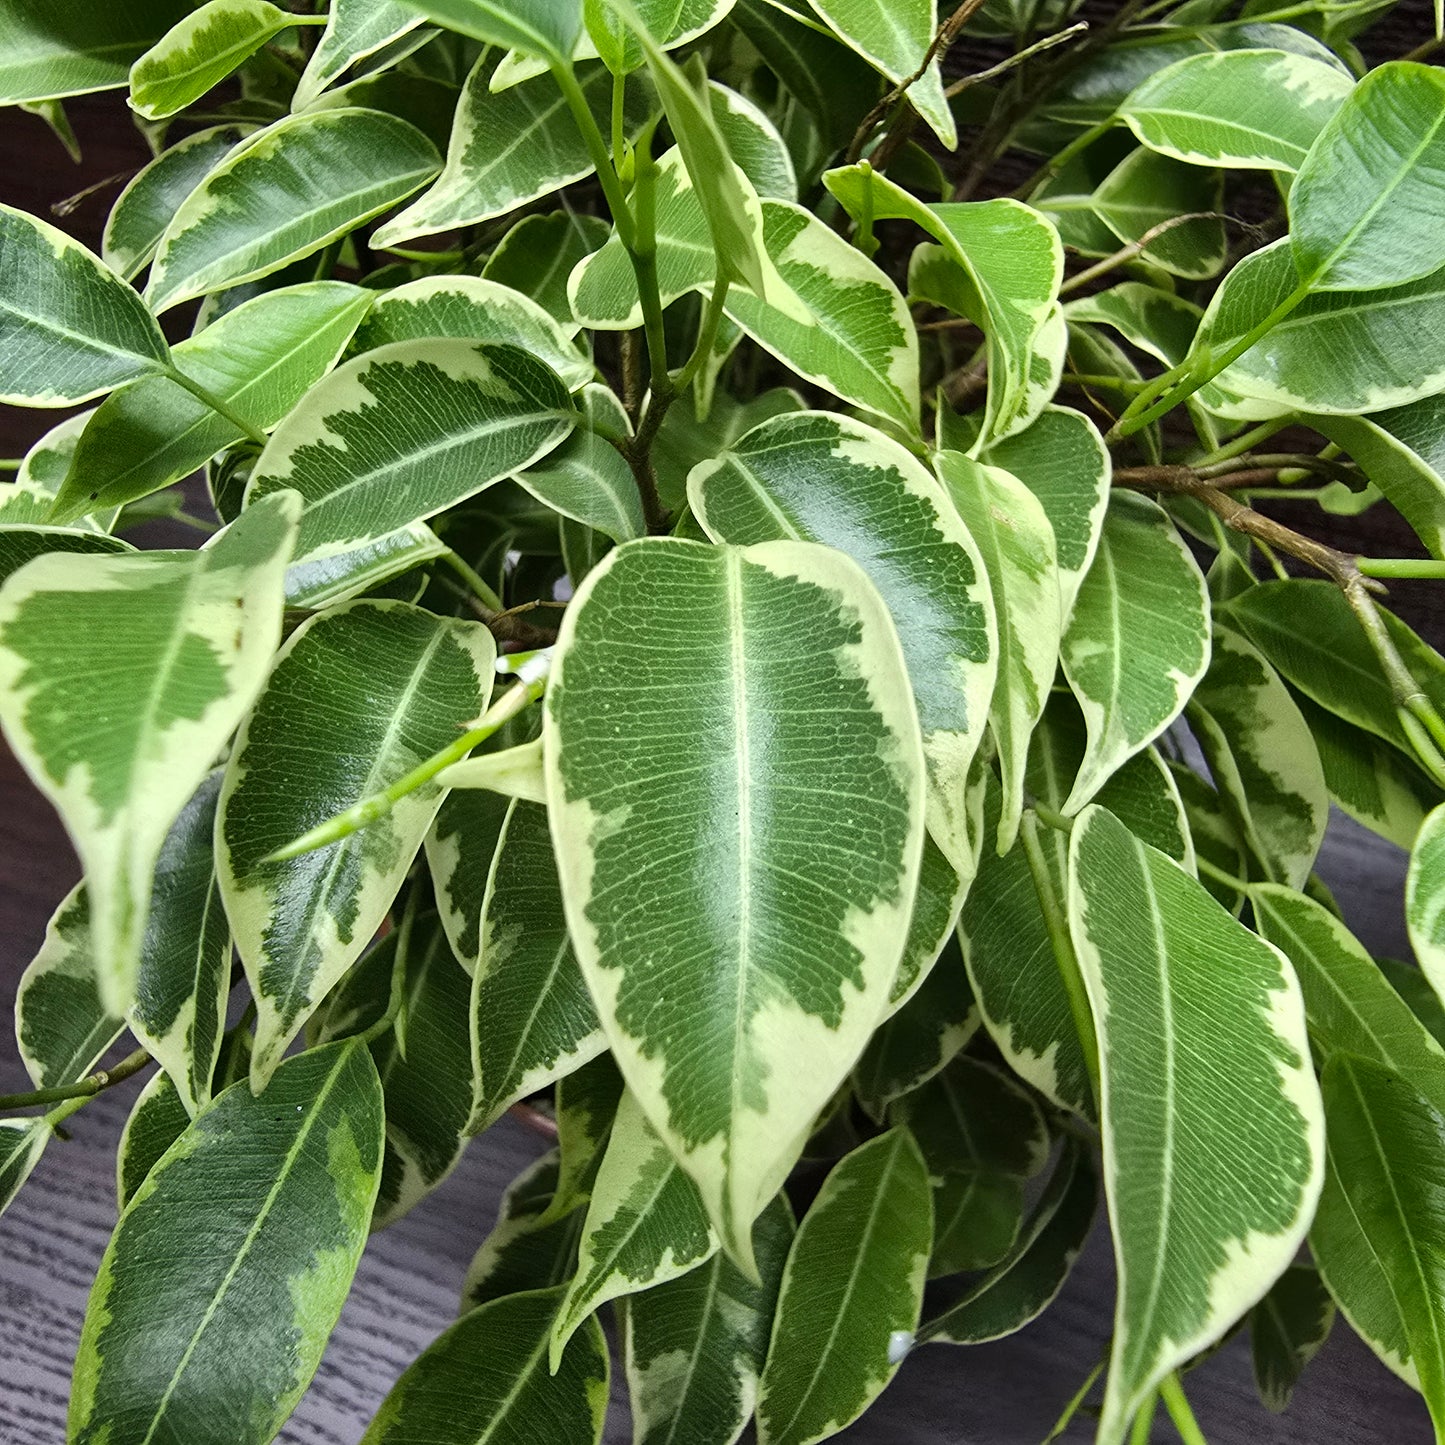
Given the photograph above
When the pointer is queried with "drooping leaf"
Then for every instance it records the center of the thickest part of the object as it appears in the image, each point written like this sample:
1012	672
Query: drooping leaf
1249	109
545	28
355	29
1377	1237
1023	1285
22	1142
1146	194
695	1346
1138	641
817	477
1212	1124
1262	758
1425	899
308	180
539	253
182	641
645	1223
143	210
156	1120
359	695
460	416
1365	205
532	1020
70	329
1010	264
200	52
260	359
170	1342
851	1294
1287	1328
485	1381
672	23
712	1072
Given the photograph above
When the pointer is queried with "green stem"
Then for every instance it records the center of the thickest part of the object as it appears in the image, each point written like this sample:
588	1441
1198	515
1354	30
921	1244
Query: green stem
566	79
1144	1421
644	263
473	580
216	404
1058	929
11	464
707	333
530	686
1426	567
1219	875
1075	1404
1244	442
77	1094
619	119
1177	1404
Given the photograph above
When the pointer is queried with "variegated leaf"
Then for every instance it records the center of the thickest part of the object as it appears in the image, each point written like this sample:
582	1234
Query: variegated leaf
156	1120
535	27
1425	899
532	1019
1138	641
851	1293
732	1076
460	416
818	477
361	694
586	1105
180	643
70	329
645	1224
182	1284
355	29
260	359
672	23
22	1142
752	139
1212	1122
539	253
27	500
695	1346
1287	1329
244	219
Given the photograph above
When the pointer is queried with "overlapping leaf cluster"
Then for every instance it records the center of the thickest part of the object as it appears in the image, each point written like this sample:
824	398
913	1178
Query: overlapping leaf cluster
711	627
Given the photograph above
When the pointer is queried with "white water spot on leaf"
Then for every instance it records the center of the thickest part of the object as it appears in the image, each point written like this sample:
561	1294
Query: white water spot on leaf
900	1342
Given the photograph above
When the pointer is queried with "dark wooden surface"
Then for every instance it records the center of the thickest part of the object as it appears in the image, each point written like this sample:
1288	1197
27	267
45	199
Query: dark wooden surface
52	1238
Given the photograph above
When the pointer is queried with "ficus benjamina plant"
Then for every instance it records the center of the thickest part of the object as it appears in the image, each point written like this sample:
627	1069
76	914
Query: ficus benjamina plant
720	625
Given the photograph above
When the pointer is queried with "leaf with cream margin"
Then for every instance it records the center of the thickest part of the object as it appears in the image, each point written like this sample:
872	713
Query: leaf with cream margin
180	642
851	1295
645	1224
1212	1123
1287	1329
168	1321
26	502
672	23
70	329
459	416
355	29
532	1021
1020	559
818	477
544	28
754	143
732	1076
358	697
244	220
539	253
1011	265
586	1105
1138	641
22	1142
1250	109
1425	899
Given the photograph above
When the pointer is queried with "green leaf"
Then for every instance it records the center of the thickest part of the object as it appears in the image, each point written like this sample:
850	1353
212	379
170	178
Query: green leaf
732	1076
818	477
672	23
506	149
62	1029
71	47
546	28
183	1283
21	544
1286	1331
156	1120
307	180
1364	208
1147	191
200	52
485	1380
1377	1238
1023	1285
1138	641
1212	1126
941	890
22	1142
1017	549
459	416
586	1105
1262	758
851	1293
539	253
182	640
753	142
260	359
70	329
645	1224
1382	348
1011	263
1411	984
694	1347
1244	109
977	1216
358	697
355	29
28	499
894	36
532	1019
143	210
1061	458
1425	899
